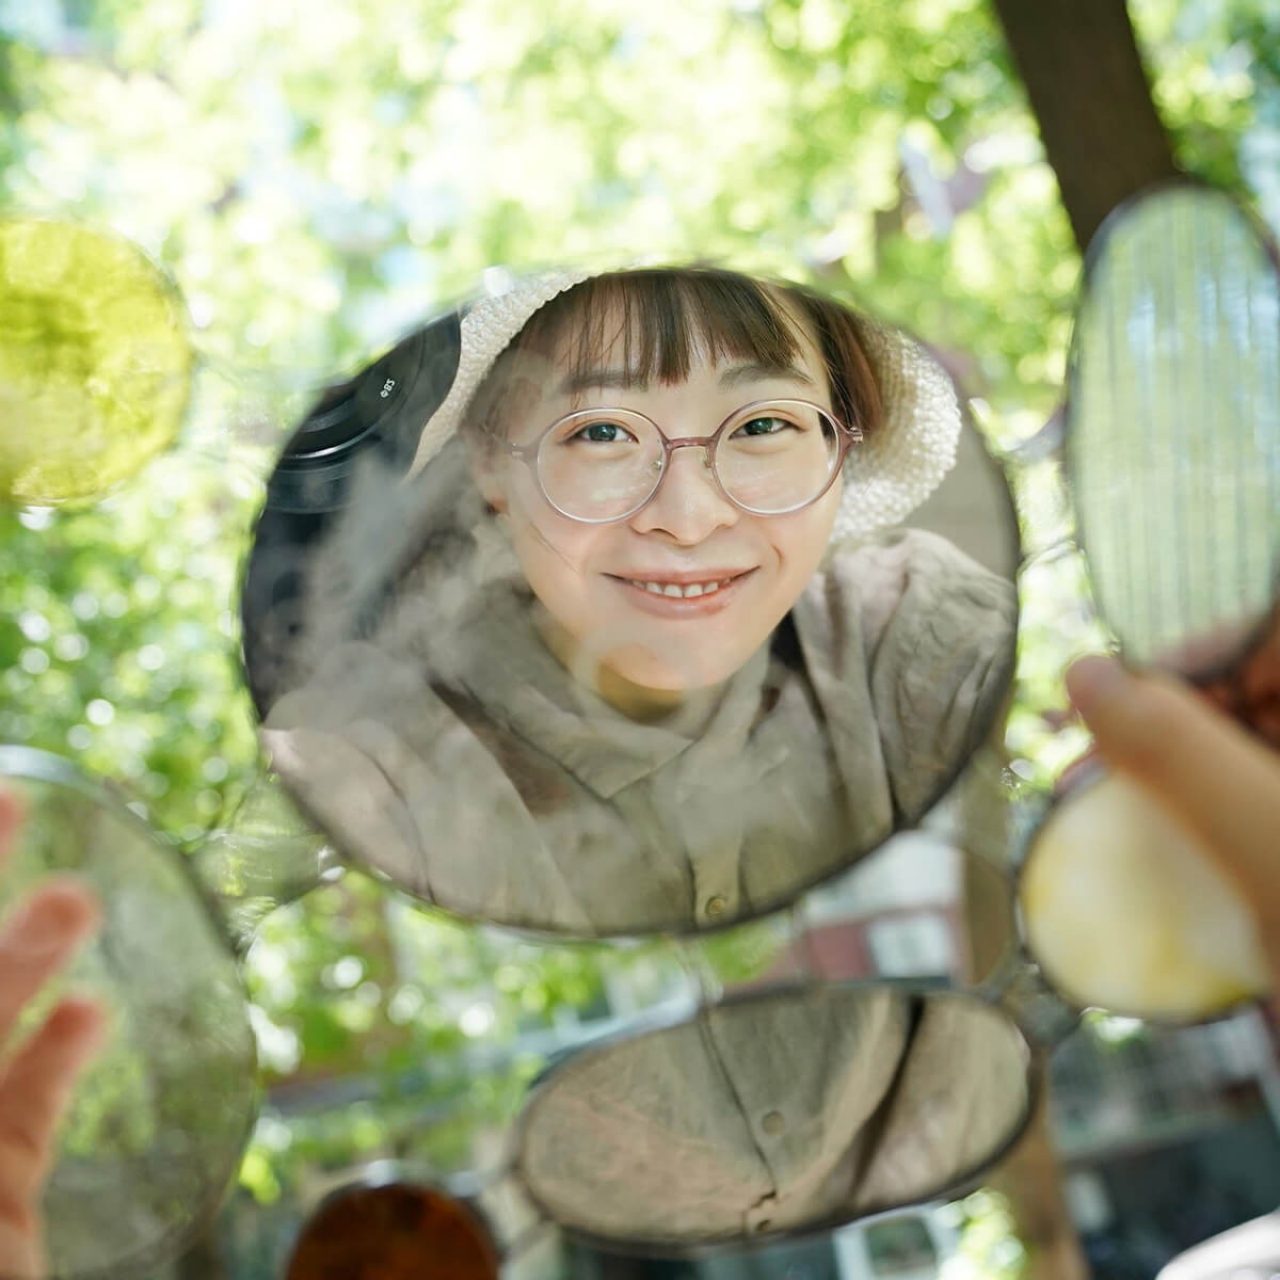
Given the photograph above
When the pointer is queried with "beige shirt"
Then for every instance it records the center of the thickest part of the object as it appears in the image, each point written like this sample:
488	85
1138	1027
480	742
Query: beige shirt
801	1109
455	754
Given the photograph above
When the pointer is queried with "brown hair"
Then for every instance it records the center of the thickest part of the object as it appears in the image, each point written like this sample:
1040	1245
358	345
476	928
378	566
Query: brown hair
666	313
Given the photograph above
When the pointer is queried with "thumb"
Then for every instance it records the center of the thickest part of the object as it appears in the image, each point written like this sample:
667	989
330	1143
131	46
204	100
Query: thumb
1219	782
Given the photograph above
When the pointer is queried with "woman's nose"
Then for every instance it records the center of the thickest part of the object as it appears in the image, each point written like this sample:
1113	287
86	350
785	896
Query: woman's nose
689	504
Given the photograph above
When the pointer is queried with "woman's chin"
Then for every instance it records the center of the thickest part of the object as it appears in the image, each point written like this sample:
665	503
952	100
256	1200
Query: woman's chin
670	675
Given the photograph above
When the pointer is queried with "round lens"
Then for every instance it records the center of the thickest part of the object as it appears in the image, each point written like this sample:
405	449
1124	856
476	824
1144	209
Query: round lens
393	1232
158	1123
600	466
778	456
95	361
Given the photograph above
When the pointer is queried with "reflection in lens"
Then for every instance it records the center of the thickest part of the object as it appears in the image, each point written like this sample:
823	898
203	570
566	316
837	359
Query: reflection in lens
1174	425
158	1122
393	1232
974	509
95	363
782	1111
1124	909
607	725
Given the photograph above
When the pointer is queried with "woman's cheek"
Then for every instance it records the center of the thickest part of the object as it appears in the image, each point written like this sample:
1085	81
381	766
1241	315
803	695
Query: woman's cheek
554	560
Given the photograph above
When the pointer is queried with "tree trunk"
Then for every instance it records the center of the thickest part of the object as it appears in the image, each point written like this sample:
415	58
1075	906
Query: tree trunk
1080	62
202	1261
1029	1177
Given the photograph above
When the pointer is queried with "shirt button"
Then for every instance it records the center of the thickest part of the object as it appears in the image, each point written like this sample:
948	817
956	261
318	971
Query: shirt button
773	1123
715	907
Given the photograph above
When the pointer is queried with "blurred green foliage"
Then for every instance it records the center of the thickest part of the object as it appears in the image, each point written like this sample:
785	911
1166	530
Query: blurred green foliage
319	177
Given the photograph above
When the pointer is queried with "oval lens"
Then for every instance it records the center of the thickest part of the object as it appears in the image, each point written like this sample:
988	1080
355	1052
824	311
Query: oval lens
95	361
158	1123
600	466
1173	427
785	1111
397	1231
647	727
778	456
1125	910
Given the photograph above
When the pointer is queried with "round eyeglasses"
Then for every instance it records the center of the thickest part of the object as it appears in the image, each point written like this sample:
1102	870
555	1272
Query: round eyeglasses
769	458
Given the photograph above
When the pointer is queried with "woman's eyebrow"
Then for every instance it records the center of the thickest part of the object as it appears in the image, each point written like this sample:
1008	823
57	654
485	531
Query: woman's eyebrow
760	372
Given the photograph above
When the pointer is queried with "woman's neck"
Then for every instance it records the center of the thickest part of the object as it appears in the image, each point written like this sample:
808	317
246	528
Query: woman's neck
635	701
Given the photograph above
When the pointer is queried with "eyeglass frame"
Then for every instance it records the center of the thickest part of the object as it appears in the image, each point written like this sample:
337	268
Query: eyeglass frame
528	454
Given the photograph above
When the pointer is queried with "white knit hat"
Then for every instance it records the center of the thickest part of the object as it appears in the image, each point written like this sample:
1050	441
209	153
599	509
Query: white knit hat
886	476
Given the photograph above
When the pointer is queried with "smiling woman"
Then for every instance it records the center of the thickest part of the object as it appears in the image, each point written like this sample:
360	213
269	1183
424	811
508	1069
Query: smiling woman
639	644
672	475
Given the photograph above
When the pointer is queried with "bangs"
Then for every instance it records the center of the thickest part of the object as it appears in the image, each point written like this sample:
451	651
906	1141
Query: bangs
661	321
654	325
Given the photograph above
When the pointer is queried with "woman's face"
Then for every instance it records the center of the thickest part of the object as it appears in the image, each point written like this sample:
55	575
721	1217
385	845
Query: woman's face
596	582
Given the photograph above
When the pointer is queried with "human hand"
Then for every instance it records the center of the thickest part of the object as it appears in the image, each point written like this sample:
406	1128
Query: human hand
1215	778
38	940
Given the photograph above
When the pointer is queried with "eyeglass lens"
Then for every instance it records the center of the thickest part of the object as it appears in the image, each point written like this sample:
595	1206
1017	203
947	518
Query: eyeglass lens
772	458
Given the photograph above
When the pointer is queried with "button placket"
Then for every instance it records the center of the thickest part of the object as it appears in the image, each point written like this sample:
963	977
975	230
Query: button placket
713	844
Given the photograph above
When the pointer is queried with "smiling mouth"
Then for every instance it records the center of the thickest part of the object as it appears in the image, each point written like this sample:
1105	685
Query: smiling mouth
684	590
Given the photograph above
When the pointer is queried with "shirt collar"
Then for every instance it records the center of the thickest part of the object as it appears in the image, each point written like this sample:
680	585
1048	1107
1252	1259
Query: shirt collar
512	674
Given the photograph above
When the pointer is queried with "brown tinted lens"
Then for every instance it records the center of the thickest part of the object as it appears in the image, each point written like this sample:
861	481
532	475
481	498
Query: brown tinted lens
393	1232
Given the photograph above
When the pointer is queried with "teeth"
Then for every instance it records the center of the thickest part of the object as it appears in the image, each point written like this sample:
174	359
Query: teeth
691	592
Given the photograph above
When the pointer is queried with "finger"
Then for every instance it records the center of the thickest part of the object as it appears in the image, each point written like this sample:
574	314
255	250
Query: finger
1076	770
40	939
1216	779
20	1253
34	1092
35	1089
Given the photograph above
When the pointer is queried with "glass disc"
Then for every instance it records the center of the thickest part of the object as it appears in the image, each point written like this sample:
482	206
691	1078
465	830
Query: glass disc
1173	427
159	1120
95	361
396	1231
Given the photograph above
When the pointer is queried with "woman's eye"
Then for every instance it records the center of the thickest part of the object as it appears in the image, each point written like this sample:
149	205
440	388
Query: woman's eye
603	433
764	427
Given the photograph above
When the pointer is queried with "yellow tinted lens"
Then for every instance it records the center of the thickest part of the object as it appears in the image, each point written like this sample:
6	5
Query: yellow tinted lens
95	363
